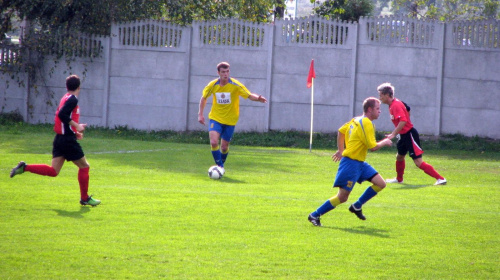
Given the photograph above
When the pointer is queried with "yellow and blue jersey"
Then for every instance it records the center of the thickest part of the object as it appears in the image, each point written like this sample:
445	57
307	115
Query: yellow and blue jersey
359	138
226	101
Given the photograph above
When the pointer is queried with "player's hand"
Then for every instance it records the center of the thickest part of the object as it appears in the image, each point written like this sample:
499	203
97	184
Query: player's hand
201	119
337	156
79	136
389	136
386	142
262	99
81	127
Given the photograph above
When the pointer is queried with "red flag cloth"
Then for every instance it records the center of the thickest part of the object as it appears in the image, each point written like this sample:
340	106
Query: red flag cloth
311	75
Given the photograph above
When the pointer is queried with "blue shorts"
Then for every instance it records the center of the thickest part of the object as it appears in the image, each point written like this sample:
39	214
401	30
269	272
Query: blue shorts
225	131
352	171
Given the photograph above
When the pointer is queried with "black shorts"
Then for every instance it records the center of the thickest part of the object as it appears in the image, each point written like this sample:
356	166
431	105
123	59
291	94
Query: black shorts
410	142
67	147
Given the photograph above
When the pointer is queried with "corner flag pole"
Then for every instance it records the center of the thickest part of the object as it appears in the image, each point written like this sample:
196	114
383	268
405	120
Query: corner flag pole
312	115
310	84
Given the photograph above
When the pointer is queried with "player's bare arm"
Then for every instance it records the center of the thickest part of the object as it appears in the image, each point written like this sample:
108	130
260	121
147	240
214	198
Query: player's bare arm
380	144
80	127
340	146
257	97
203	103
396	130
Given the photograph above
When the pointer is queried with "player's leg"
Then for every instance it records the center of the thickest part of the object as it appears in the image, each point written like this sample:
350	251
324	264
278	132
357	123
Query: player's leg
214	145
402	147
369	174
40	169
378	185
429	170
226	136
83	181
224	149
345	179
331	203
416	153
214	132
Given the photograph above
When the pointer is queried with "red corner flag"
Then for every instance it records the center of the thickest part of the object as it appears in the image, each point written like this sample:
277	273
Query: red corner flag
311	75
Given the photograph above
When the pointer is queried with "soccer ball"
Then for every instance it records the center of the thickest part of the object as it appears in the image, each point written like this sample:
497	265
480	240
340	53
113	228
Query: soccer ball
215	172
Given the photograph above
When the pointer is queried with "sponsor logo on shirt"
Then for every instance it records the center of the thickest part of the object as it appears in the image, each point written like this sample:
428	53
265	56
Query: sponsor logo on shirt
223	98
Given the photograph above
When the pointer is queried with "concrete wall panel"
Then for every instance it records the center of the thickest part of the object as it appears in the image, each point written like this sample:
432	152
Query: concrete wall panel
451	87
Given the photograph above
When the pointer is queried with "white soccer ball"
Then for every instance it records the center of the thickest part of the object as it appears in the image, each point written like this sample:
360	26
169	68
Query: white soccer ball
215	172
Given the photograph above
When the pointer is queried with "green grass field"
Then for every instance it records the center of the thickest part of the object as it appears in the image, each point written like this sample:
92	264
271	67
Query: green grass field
162	217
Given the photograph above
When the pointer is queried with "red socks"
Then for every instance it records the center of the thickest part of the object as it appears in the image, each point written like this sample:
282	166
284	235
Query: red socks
429	170
83	179
45	170
400	170
41	169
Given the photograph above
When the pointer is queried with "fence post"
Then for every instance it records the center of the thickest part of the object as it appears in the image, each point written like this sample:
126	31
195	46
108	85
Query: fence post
355	31
270	62
441	33
26	29
107	72
189	43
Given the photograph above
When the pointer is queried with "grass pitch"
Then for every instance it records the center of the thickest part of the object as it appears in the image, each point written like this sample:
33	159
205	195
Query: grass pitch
162	217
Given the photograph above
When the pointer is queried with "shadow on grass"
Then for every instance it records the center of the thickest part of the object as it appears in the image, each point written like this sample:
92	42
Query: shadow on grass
73	214
410	187
231	180
363	230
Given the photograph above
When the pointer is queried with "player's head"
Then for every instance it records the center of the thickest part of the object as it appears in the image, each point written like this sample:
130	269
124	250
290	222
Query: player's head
386	89
223	71
72	83
222	65
371	108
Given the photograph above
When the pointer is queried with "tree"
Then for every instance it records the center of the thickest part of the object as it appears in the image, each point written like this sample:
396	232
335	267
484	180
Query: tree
446	10
60	21
95	17
349	10
184	12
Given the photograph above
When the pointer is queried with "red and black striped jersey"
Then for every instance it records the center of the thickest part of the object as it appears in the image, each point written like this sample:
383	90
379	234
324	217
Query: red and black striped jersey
68	110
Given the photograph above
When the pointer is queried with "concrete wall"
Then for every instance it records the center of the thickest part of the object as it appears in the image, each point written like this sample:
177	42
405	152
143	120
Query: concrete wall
412	66
333	50
148	76
13	94
151	74
250	61
471	80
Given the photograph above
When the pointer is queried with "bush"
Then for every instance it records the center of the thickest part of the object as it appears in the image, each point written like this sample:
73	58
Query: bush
11	118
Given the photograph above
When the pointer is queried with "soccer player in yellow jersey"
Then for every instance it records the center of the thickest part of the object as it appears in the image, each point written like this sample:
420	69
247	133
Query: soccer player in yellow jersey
354	140
225	112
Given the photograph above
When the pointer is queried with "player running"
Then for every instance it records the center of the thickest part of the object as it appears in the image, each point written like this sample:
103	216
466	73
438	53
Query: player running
354	140
409	140
65	145
225	110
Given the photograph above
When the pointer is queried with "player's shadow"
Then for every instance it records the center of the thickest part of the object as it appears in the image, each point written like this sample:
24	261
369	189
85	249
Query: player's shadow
363	230
231	180
409	187
73	214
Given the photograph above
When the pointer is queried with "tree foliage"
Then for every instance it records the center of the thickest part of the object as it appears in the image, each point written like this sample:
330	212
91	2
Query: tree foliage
446	10
95	17
55	25
349	10
58	22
